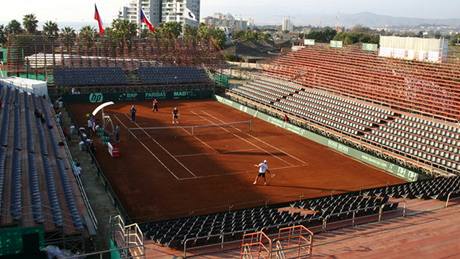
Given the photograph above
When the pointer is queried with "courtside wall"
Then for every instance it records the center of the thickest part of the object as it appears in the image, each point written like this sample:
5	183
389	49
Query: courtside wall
99	97
393	169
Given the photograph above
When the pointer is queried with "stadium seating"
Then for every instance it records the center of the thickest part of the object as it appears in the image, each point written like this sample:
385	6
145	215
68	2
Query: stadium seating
207	229
32	166
380	101
408	86
172	75
339	113
436	143
267	90
100	76
438	188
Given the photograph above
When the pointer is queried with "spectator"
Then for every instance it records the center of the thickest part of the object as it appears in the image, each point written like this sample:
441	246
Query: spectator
77	169
286	118
117	134
59	118
75	91
90	125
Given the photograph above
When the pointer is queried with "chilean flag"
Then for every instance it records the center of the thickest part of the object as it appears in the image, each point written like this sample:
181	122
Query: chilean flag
147	22
97	17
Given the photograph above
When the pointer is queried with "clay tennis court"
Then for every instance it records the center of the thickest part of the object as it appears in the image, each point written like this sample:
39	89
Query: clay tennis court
172	172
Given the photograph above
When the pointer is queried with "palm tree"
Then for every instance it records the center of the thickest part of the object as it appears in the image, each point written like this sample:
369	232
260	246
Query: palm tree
87	35
68	36
171	29
14	27
124	31
30	23
51	30
2	35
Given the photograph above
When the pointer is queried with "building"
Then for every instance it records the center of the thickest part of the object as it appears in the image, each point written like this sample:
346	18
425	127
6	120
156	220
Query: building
226	22
159	11
287	24
175	11
410	48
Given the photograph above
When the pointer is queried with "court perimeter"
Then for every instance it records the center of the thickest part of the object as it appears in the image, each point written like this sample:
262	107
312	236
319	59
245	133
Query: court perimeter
168	173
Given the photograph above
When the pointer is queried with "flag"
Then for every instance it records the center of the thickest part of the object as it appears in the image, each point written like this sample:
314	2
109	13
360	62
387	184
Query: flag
147	22
97	17
189	14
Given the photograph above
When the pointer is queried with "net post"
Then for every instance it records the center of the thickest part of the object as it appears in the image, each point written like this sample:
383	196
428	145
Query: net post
193	130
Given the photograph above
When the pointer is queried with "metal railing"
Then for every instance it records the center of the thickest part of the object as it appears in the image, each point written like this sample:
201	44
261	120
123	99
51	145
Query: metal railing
127	236
276	226
259	240
102	254
100	173
86	201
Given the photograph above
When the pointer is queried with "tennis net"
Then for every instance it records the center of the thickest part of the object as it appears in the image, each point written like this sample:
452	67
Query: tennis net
194	130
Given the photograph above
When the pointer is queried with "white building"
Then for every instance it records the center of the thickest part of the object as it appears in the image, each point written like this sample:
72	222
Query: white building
226	22
159	11
287	24
410	48
175	11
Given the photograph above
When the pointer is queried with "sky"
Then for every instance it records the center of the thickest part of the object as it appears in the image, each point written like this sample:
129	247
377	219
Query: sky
263	11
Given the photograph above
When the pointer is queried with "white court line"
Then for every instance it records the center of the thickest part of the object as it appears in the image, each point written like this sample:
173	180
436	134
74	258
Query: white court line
249	142
217	153
200	140
148	149
282	151
239	173
196	154
164	149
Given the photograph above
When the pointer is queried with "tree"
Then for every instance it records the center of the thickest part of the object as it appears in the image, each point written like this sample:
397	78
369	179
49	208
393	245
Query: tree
51	30
455	40
170	29
2	35
249	35
146	33
324	35
87	35
30	23
14	27
68	36
218	37
123	31
191	33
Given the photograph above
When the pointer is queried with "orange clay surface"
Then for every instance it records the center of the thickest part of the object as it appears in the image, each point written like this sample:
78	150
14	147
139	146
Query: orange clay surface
168	173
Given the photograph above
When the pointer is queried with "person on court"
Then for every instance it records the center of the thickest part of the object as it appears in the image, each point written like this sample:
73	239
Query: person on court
175	115
155	105
263	168
133	112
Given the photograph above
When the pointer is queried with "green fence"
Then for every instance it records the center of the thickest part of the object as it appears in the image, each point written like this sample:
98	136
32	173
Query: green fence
139	96
349	151
11	239
3	55
114	253
336	44
221	80
370	47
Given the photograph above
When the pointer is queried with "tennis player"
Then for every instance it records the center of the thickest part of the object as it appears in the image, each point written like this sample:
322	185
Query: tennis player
263	168
133	112
175	115
155	105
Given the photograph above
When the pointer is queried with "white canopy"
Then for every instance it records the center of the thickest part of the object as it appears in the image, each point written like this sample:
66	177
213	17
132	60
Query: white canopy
102	106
